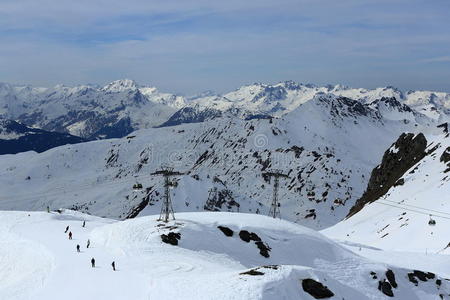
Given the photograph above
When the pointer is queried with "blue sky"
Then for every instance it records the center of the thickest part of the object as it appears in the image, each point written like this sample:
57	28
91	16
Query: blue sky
188	46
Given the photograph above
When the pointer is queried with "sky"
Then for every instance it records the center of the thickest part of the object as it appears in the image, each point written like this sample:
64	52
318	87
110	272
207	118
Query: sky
188	46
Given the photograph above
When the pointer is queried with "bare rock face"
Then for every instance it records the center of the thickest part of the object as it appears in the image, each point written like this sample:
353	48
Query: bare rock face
403	154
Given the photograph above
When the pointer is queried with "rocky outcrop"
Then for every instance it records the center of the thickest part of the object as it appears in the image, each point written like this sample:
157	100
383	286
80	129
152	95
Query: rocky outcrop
171	238
246	236
401	156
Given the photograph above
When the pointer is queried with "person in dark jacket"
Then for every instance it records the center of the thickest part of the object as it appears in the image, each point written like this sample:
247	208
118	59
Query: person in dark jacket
84	224
67	229
88	243
78	248
113	265
93	262
70	235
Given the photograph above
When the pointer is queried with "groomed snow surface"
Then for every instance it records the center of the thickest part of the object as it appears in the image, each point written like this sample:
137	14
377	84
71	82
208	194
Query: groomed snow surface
38	261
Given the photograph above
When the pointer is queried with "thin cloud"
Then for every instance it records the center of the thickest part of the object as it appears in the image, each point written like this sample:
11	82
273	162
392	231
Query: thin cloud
437	59
188	46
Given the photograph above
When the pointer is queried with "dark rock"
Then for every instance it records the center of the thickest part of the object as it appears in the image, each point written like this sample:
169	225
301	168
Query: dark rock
254	237
171	238
273	267
252	272
263	249
444	126
386	288
227	231
134	212
412	278
401	181
244	235
445	157
411	149
391	278
422	276
316	289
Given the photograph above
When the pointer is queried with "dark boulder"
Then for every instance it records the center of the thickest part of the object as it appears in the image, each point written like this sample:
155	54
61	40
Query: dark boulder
316	289
445	157
249	236
263	249
171	238
244	235
422	276
391	278
386	288
227	231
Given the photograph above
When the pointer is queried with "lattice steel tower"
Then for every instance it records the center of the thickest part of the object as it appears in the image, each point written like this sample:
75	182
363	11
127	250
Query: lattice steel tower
166	207
275	206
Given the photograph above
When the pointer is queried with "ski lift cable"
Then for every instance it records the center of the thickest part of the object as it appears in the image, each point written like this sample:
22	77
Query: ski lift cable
414	206
413	210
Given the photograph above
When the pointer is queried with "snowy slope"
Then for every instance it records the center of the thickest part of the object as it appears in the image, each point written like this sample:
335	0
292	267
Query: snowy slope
328	146
39	262
399	220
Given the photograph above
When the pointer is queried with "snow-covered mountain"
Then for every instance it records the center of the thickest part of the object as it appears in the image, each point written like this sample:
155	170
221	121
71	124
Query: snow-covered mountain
369	167
281	98
327	146
123	106
87	111
410	209
16	137
198	256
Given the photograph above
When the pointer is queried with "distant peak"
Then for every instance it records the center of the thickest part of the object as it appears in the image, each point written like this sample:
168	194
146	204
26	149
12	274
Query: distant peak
121	85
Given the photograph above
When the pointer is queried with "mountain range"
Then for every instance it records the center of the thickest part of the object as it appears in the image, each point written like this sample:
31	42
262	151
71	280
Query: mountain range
122	106
369	169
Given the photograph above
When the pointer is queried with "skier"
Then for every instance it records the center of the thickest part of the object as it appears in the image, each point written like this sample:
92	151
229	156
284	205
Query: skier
93	262
113	265
48	209
88	243
67	229
78	248
84	224
70	235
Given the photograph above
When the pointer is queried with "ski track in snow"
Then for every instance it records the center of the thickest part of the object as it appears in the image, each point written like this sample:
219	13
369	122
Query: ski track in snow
38	261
